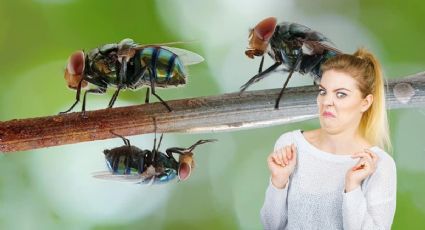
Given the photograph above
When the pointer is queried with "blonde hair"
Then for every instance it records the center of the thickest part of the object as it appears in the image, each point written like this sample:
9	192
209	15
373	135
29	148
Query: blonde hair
366	70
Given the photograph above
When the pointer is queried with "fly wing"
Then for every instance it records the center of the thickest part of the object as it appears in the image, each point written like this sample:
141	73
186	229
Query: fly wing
313	41
106	175
186	56
318	47
305	33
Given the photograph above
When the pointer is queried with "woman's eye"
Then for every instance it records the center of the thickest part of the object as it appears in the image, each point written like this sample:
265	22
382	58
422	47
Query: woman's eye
340	95
322	92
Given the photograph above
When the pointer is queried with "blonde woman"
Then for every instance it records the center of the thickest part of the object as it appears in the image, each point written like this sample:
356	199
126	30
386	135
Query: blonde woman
338	176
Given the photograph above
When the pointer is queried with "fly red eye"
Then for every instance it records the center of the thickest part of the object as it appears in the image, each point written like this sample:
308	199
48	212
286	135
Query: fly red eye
184	171
76	63
264	29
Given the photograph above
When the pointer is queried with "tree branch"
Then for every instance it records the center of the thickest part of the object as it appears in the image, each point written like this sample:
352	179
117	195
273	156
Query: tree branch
204	114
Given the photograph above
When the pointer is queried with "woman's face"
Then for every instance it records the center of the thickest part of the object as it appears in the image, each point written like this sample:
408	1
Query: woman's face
340	102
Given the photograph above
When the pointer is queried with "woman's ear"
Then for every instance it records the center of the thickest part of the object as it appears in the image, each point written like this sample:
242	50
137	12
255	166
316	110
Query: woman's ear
367	102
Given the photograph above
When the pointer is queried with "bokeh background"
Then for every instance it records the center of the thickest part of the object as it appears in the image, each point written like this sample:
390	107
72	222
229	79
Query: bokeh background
53	188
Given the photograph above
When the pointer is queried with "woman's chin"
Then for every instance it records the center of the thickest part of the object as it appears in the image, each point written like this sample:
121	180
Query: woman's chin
328	124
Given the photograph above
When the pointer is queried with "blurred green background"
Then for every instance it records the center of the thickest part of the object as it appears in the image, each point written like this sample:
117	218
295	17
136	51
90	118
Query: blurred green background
53	189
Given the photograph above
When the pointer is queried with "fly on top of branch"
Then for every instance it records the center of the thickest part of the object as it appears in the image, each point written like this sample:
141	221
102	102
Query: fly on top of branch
128	65
295	46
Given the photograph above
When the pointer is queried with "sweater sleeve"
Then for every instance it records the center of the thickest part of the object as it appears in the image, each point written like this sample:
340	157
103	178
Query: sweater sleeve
274	213
372	206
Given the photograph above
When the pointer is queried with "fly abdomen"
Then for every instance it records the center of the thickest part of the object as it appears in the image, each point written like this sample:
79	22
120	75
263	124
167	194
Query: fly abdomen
165	66
124	160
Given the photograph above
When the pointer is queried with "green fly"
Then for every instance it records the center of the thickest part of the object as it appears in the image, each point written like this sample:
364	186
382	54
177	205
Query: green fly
127	65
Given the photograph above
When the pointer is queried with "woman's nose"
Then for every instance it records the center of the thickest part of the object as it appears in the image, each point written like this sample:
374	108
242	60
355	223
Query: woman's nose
327	100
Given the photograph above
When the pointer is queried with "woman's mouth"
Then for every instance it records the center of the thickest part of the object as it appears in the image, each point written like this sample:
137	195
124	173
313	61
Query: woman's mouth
328	114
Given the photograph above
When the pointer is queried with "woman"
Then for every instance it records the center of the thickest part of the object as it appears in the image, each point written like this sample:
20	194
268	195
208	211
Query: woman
338	176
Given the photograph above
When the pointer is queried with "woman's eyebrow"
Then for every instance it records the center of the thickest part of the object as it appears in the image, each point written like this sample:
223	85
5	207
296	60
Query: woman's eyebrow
321	86
342	89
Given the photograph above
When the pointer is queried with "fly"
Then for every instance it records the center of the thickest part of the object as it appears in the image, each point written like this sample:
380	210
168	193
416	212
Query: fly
295	46
127	65
144	166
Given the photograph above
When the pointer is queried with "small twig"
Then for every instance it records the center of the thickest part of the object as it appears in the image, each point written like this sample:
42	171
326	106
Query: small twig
204	114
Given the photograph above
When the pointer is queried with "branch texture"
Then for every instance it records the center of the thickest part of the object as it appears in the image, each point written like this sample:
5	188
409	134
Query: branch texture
230	111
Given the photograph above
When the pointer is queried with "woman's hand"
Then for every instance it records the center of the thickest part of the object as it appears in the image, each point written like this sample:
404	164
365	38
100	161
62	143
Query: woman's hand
364	168
281	164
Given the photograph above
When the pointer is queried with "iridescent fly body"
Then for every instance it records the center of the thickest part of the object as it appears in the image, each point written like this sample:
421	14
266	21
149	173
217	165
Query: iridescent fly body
291	45
127	65
129	163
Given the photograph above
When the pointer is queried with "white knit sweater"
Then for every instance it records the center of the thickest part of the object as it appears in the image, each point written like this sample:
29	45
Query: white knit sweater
314	197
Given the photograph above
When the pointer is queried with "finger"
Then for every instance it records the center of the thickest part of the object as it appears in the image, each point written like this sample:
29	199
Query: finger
360	165
373	155
361	155
275	161
292	151
366	159
365	163
271	158
286	154
281	155
294	154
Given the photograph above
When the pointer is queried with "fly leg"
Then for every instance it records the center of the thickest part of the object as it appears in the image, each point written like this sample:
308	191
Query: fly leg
259	76
122	79
126	141
185	163
123	73
179	150
276	106
127	160
173	161
260	69
141	163
147	96
115	163
311	64
77	98
139	74
308	62
152	78
114	97
97	91
200	142
184	151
